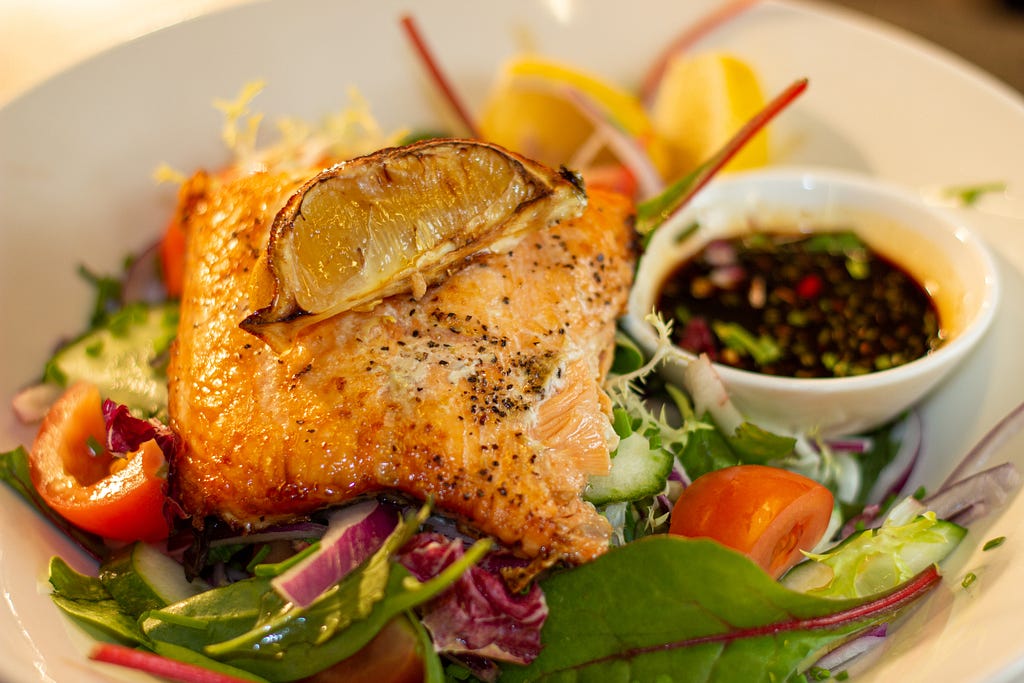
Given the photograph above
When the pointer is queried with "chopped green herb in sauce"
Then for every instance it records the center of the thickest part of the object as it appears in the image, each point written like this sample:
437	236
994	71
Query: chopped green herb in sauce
797	305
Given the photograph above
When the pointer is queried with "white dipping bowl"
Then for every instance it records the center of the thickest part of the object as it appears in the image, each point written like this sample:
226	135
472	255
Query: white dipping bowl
944	256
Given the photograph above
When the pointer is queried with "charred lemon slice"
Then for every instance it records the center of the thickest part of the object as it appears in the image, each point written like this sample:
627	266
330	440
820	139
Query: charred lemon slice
397	221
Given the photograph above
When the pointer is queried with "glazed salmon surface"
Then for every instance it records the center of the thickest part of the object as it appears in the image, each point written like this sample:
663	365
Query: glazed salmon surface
484	393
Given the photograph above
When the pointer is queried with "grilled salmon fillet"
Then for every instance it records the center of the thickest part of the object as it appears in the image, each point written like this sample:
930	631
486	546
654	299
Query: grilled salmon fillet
484	393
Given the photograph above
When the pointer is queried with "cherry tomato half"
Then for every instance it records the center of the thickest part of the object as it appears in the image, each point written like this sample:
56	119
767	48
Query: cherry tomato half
767	513
120	498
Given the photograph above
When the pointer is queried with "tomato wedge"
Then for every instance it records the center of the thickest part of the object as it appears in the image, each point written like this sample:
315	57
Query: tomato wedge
120	498
766	513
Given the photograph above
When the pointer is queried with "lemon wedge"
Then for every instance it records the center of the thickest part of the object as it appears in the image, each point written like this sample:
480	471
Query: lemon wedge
531	111
396	221
702	101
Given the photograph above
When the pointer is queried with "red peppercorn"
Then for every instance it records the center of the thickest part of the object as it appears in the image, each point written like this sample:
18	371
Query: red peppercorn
809	286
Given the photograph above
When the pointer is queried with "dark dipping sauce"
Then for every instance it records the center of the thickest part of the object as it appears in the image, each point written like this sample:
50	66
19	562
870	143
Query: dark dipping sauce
799	305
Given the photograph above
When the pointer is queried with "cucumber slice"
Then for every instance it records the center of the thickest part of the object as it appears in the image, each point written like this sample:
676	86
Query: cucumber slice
637	471
142	578
876	560
123	357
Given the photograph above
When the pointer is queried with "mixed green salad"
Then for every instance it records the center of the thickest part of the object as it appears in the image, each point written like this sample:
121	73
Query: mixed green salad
738	554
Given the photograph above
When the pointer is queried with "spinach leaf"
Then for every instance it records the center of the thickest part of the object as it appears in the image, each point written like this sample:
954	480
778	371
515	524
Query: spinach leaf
433	667
87	602
668	608
353	598
248	626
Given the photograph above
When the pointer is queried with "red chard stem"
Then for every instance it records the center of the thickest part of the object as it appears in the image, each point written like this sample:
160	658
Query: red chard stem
437	75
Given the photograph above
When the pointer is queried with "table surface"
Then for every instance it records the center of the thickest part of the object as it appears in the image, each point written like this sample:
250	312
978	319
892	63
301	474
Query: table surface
39	38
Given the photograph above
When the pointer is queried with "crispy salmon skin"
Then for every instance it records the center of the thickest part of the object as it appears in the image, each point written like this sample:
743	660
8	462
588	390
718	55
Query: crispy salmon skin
483	393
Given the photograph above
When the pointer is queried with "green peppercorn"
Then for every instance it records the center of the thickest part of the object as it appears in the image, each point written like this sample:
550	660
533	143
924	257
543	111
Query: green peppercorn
832	305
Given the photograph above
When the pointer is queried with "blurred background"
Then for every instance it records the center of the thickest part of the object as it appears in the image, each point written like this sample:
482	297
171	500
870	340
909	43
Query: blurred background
989	33
38	38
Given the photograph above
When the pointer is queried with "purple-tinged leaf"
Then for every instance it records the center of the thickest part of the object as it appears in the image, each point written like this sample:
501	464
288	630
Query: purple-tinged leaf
126	433
478	616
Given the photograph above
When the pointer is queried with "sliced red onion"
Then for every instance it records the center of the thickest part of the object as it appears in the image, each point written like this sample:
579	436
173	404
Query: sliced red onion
867	519
31	404
354	533
964	496
679	474
300	531
850	444
709	394
626	148
970	498
895	475
841	657
989	444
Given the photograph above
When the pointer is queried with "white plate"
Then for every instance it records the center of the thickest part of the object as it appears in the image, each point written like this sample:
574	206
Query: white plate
77	155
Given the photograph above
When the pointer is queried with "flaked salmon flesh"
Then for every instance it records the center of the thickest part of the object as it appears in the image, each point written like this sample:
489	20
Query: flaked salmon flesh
484	393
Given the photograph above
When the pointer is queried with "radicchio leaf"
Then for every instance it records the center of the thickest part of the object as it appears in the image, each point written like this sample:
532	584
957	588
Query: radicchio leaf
126	433
478	616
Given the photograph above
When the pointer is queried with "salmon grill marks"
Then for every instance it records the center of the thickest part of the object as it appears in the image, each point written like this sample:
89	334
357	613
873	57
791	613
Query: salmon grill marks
484	392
